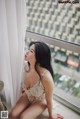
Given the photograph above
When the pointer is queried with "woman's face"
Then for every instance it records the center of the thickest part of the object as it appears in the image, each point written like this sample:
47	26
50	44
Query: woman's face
30	54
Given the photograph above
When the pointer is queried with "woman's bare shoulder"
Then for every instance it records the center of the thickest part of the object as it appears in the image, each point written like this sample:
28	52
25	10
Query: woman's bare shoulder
47	78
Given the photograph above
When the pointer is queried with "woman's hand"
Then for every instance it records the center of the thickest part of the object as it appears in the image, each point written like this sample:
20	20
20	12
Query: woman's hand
58	116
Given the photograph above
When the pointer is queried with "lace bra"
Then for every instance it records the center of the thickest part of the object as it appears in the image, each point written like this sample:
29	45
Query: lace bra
35	93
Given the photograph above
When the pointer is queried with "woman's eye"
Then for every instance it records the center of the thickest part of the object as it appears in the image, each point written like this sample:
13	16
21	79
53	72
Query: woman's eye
31	51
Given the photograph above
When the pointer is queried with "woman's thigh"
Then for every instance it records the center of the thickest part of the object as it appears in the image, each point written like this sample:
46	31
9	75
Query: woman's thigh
20	106
34	110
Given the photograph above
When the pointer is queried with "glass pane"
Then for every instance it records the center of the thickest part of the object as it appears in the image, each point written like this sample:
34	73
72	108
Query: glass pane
66	65
55	19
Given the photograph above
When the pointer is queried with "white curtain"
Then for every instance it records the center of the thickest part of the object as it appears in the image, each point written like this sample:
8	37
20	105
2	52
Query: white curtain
12	35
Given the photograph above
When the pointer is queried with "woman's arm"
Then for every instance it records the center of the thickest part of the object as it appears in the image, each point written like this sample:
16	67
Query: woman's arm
48	84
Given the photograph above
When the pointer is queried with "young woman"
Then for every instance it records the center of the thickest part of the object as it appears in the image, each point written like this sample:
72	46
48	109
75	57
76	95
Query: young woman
38	84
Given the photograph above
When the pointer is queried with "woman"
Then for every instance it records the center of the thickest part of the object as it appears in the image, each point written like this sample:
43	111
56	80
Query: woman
38	85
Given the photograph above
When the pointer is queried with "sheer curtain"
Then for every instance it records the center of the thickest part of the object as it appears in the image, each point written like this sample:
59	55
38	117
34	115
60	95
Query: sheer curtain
12	34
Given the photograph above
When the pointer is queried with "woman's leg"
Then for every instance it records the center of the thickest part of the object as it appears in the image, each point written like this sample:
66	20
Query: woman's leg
20	106
34	110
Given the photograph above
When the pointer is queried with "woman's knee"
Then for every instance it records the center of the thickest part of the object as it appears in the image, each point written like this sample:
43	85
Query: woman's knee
13	115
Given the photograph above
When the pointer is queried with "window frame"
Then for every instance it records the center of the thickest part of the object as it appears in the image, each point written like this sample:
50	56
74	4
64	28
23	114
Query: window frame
62	44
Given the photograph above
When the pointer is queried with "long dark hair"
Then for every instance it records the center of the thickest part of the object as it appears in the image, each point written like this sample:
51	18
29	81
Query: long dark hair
43	55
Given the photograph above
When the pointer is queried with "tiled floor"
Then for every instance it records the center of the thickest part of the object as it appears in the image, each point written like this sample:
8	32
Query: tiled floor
61	109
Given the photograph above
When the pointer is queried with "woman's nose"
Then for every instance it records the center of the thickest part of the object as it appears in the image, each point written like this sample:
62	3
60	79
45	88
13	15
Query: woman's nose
27	52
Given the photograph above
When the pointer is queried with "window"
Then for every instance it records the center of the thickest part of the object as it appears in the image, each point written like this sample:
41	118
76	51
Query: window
58	25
